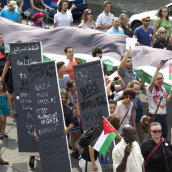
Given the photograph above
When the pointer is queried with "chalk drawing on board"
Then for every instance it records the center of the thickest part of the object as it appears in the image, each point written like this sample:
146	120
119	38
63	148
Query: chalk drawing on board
82	75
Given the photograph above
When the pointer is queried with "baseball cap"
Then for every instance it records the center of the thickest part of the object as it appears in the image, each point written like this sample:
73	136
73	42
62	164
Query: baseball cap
145	16
37	15
13	4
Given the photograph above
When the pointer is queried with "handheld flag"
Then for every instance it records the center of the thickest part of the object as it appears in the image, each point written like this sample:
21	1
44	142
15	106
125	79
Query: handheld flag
1	56
170	71
107	136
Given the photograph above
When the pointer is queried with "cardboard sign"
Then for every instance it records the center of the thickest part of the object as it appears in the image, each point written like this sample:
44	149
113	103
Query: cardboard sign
91	93
21	55
49	118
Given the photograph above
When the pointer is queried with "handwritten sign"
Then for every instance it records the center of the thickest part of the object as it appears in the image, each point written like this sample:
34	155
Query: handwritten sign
49	118
130	42
25	121
91	93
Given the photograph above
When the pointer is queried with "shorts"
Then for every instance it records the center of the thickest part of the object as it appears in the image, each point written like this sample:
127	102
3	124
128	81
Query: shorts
5	110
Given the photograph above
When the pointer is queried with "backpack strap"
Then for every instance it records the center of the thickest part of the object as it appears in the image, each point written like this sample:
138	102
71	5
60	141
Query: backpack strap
125	114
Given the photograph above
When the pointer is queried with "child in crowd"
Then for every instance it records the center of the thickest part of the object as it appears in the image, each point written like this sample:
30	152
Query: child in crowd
76	131
62	76
5	108
112	106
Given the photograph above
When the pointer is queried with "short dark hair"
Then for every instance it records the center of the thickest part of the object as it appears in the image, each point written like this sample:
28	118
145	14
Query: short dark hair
124	56
4	85
66	48
106	3
69	84
95	51
60	4
112	102
59	64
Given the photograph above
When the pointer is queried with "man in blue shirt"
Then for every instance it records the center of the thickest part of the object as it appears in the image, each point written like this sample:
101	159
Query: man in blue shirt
10	12
144	33
115	29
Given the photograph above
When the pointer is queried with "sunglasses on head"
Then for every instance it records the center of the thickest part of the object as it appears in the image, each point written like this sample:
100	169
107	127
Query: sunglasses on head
156	131
163	32
147	20
128	97
90	13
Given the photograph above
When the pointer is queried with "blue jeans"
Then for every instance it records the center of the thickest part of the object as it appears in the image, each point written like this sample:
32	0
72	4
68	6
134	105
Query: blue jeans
163	122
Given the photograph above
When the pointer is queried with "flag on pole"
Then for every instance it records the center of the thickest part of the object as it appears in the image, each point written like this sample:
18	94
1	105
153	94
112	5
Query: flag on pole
170	71
1	56
107	136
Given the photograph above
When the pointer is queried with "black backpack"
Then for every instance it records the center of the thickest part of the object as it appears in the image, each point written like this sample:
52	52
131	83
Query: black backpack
84	140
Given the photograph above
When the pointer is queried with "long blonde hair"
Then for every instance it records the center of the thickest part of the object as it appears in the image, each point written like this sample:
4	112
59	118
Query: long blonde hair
84	16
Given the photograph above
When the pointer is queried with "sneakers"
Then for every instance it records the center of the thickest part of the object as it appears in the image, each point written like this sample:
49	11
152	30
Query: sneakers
3	161
31	162
76	154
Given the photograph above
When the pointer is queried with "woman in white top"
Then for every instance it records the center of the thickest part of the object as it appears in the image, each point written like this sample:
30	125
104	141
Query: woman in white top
87	20
123	106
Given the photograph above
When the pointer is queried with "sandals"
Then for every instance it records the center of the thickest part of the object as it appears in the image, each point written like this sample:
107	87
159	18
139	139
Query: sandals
3	161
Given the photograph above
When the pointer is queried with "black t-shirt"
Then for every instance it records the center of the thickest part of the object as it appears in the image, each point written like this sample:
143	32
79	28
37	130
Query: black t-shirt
156	161
68	114
111	97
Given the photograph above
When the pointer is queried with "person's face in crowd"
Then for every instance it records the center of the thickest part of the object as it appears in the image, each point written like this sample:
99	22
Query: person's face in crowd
63	98
164	12
112	108
12	8
106	80
69	53
156	132
73	88
129	64
90	15
136	88
146	21
1	39
107	8
116	23
159	80
62	70
163	34
40	19
130	135
99	55
64	6
125	20
128	99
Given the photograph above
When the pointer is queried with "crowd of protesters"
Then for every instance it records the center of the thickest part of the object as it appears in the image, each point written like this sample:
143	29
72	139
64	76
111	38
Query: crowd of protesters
126	111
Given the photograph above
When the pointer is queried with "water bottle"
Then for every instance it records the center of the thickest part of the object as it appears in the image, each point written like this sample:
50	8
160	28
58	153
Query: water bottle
103	159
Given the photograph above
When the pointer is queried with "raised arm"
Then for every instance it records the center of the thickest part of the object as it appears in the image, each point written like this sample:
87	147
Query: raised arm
169	96
121	86
143	79
154	78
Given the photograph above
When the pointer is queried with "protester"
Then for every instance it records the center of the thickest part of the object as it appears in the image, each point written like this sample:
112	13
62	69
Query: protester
127	154
144	33
125	25
163	20
162	41
38	21
116	29
63	18
76	131
37	6
71	62
91	155
158	100
157	158
104	20
5	108
2	43
125	70
112	106
124	107
110	87
87	20
62	76
10	12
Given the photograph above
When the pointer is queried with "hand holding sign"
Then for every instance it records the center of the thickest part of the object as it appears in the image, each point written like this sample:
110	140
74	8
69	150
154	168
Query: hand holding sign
130	42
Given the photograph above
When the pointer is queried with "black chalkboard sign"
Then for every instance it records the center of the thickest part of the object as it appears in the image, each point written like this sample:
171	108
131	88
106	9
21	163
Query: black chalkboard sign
91	93
21	55
49	118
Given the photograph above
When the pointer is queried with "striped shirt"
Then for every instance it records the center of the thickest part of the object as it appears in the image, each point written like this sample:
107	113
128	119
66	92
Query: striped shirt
127	76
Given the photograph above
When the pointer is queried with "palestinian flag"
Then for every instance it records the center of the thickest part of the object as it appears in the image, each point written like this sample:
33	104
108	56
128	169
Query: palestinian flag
170	71
107	136
1	56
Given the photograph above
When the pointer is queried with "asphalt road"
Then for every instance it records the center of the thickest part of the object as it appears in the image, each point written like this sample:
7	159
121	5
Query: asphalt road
9	147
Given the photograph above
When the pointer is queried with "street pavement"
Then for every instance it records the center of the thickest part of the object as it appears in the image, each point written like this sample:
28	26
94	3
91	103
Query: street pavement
9	147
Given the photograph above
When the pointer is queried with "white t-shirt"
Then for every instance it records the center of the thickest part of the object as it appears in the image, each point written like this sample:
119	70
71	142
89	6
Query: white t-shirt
63	20
121	111
153	102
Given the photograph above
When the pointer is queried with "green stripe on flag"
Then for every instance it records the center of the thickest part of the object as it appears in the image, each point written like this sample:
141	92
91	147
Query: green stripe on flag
170	77
107	143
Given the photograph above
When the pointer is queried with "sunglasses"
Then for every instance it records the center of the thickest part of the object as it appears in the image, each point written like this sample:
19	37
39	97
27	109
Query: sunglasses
90	13
128	97
147	20
156	131
163	32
